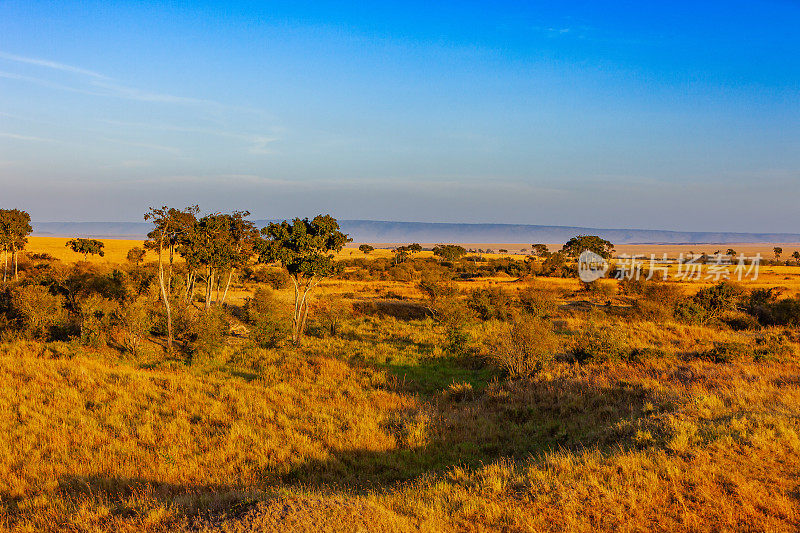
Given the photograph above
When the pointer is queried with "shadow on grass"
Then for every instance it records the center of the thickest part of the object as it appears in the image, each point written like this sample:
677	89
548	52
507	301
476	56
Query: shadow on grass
432	375
514	420
466	426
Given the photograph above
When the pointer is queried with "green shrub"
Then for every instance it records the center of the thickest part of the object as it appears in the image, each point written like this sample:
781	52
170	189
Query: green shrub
524	347
95	314
691	312
726	352
42	314
768	347
786	312
740	321
276	278
435	285
600	343
206	334
719	298
491	302
538	302
132	319
330	314
658	301
268	327
456	341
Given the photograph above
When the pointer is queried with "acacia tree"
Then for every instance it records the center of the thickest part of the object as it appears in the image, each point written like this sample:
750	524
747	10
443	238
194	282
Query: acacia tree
576	245
15	226
136	255
366	248
175	224
210	248
539	250
777	251
449	252
86	247
170	225
304	247
242	236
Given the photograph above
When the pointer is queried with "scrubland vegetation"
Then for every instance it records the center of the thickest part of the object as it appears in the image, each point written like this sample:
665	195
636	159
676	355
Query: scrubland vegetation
428	393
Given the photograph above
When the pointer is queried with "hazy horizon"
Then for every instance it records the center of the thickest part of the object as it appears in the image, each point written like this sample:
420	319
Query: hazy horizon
673	116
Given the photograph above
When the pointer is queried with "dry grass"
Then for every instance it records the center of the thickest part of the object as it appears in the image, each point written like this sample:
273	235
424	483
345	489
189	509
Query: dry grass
379	428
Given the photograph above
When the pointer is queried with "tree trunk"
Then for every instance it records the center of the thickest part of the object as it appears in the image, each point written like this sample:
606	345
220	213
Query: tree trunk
5	264
227	285
169	279
165	297
295	314
209	287
16	277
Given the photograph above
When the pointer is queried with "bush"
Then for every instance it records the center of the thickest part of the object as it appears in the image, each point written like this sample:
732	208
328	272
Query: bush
132	320
690	312
489	303
330	314
555	265
719	298
740	321
41	313
524	347
657	301
765	348
632	286
538	302
276	278
434	285
600	343
95	314
786	312
267	327
456	341
206	334
401	272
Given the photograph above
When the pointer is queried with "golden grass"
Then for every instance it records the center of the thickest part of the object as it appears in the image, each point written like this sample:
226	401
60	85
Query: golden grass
379	428
115	249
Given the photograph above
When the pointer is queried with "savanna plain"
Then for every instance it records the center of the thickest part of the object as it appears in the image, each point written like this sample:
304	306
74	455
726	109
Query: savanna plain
470	391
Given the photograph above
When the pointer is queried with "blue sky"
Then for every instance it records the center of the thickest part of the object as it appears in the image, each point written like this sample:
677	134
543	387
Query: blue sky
670	115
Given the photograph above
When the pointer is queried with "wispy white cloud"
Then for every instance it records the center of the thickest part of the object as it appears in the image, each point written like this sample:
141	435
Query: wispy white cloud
31	138
50	64
132	93
45	83
257	144
98	84
261	145
149	146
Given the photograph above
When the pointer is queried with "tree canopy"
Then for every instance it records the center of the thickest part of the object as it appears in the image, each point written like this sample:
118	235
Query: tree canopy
86	247
305	248
577	245
449	252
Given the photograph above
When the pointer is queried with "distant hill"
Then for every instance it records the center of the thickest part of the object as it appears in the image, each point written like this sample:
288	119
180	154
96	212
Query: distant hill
428	232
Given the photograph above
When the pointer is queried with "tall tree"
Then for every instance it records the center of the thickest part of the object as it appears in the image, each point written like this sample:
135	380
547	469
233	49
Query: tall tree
242	235
539	250
304	247
170	226
86	247
211	248
5	239
577	245
20	229
777	251
449	252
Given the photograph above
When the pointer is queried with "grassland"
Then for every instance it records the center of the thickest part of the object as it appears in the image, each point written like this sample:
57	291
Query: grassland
380	427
